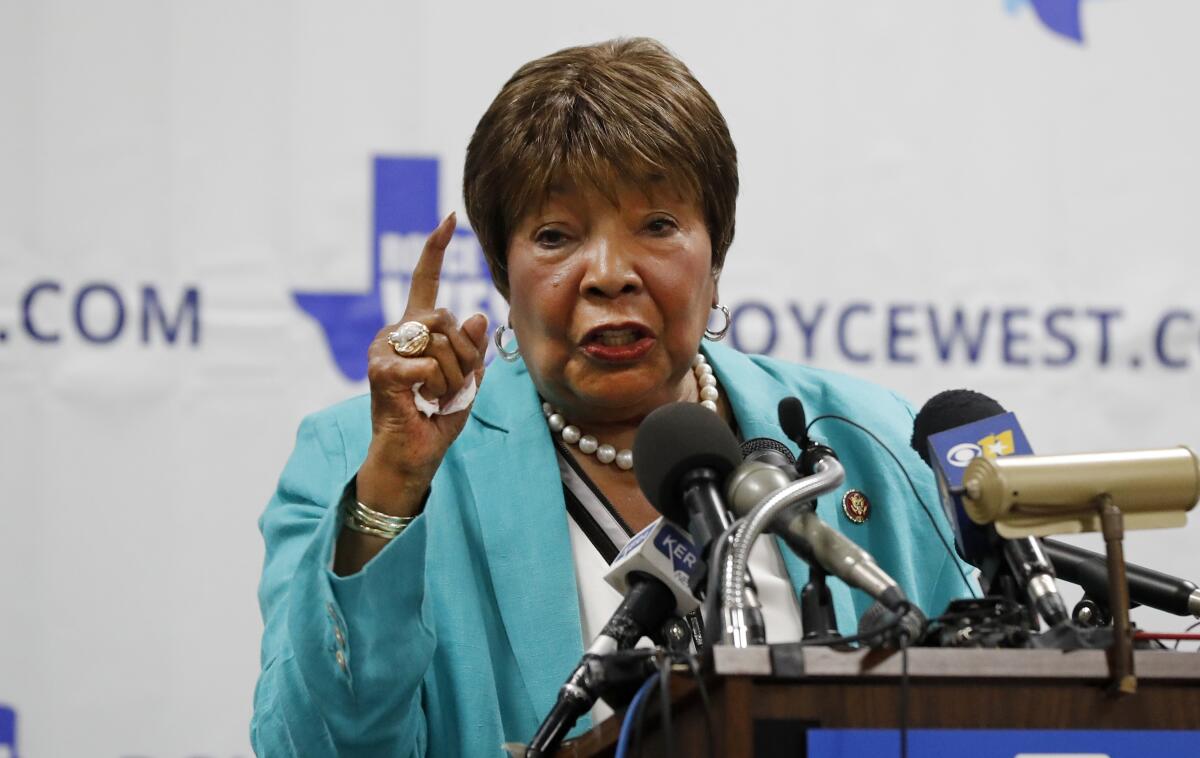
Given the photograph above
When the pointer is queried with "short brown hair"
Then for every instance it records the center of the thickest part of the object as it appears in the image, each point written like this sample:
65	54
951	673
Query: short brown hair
622	110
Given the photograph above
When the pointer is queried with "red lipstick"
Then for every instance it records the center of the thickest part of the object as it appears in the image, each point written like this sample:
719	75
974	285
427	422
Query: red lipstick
618	343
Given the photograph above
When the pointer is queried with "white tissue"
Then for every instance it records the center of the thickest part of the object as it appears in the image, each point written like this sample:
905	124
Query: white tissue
461	400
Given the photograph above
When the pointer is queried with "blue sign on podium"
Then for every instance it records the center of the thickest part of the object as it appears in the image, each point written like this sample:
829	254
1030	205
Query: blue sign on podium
1003	743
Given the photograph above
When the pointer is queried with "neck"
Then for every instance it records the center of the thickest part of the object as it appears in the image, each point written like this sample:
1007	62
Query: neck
620	429
626	421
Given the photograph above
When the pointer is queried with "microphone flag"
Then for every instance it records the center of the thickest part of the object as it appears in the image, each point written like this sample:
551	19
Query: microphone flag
950	452
665	552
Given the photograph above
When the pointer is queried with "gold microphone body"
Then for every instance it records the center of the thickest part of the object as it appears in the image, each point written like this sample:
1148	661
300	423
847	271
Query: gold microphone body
1057	494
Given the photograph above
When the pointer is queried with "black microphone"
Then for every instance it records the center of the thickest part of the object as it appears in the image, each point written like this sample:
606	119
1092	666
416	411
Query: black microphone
681	455
794	421
648	604
975	544
881	626
1147	587
654	571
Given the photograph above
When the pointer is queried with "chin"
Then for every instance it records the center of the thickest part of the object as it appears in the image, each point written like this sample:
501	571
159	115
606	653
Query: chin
636	388
626	389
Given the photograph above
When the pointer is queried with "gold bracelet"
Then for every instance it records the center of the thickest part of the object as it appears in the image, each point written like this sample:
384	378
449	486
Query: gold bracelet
365	520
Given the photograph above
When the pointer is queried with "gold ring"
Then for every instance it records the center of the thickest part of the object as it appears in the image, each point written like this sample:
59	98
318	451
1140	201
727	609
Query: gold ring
410	339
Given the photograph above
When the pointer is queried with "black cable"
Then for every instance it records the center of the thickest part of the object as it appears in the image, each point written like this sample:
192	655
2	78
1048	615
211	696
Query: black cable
664	691
694	667
904	696
712	597
912	486
880	633
1185	631
661	680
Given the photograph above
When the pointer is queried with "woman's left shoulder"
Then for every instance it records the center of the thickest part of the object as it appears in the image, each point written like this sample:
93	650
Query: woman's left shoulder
822	391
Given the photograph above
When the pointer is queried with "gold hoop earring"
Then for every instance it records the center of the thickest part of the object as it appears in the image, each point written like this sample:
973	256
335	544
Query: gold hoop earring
719	334
509	355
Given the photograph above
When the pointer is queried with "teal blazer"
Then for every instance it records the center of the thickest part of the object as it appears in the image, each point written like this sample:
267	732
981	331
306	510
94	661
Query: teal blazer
457	635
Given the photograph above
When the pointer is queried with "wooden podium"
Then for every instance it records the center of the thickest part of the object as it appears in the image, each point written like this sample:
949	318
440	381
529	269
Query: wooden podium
764	700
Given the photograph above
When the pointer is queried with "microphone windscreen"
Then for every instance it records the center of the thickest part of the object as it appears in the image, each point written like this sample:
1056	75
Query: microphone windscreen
674	440
947	410
792	419
879	627
769	451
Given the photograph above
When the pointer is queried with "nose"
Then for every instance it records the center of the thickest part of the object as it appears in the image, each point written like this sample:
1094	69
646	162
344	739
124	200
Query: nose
610	270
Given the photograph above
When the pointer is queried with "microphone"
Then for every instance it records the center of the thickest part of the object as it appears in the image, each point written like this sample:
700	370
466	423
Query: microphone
811	538
768	451
953	429
664	553
881	626
793	421
948	410
795	425
767	466
822	473
1147	587
681	455
1052	494
654	571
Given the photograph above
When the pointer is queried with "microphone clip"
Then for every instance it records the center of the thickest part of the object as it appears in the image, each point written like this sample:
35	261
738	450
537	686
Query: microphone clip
810	456
812	453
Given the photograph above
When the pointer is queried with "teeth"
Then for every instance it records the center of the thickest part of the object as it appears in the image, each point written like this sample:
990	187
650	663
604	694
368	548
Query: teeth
616	337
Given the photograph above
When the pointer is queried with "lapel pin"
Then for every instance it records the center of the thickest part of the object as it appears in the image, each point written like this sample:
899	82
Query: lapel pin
856	506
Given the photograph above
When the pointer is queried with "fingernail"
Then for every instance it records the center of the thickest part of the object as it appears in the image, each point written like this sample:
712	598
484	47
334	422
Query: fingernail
483	316
451	218
445	229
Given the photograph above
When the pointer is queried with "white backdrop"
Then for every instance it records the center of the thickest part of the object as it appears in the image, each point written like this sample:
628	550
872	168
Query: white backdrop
171	174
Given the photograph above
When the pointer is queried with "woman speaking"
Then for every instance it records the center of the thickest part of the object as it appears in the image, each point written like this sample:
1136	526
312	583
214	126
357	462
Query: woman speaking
435	551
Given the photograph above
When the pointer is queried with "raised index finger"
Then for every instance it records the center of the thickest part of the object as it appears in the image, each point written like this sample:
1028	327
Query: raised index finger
422	296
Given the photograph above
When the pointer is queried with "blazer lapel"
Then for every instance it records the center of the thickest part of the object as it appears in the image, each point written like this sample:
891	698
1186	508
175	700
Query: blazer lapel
754	396
513	474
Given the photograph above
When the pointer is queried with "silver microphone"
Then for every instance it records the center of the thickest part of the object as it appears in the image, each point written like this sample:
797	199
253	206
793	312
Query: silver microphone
808	535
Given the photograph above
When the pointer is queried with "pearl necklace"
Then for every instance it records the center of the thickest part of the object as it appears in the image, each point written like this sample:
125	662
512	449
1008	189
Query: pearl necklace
589	445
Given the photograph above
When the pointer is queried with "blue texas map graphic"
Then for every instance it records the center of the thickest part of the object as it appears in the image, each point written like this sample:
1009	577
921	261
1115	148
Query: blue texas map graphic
405	212
8	732
1060	16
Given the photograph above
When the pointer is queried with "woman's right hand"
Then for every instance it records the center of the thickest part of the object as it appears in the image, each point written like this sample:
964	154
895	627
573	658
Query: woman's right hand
407	446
